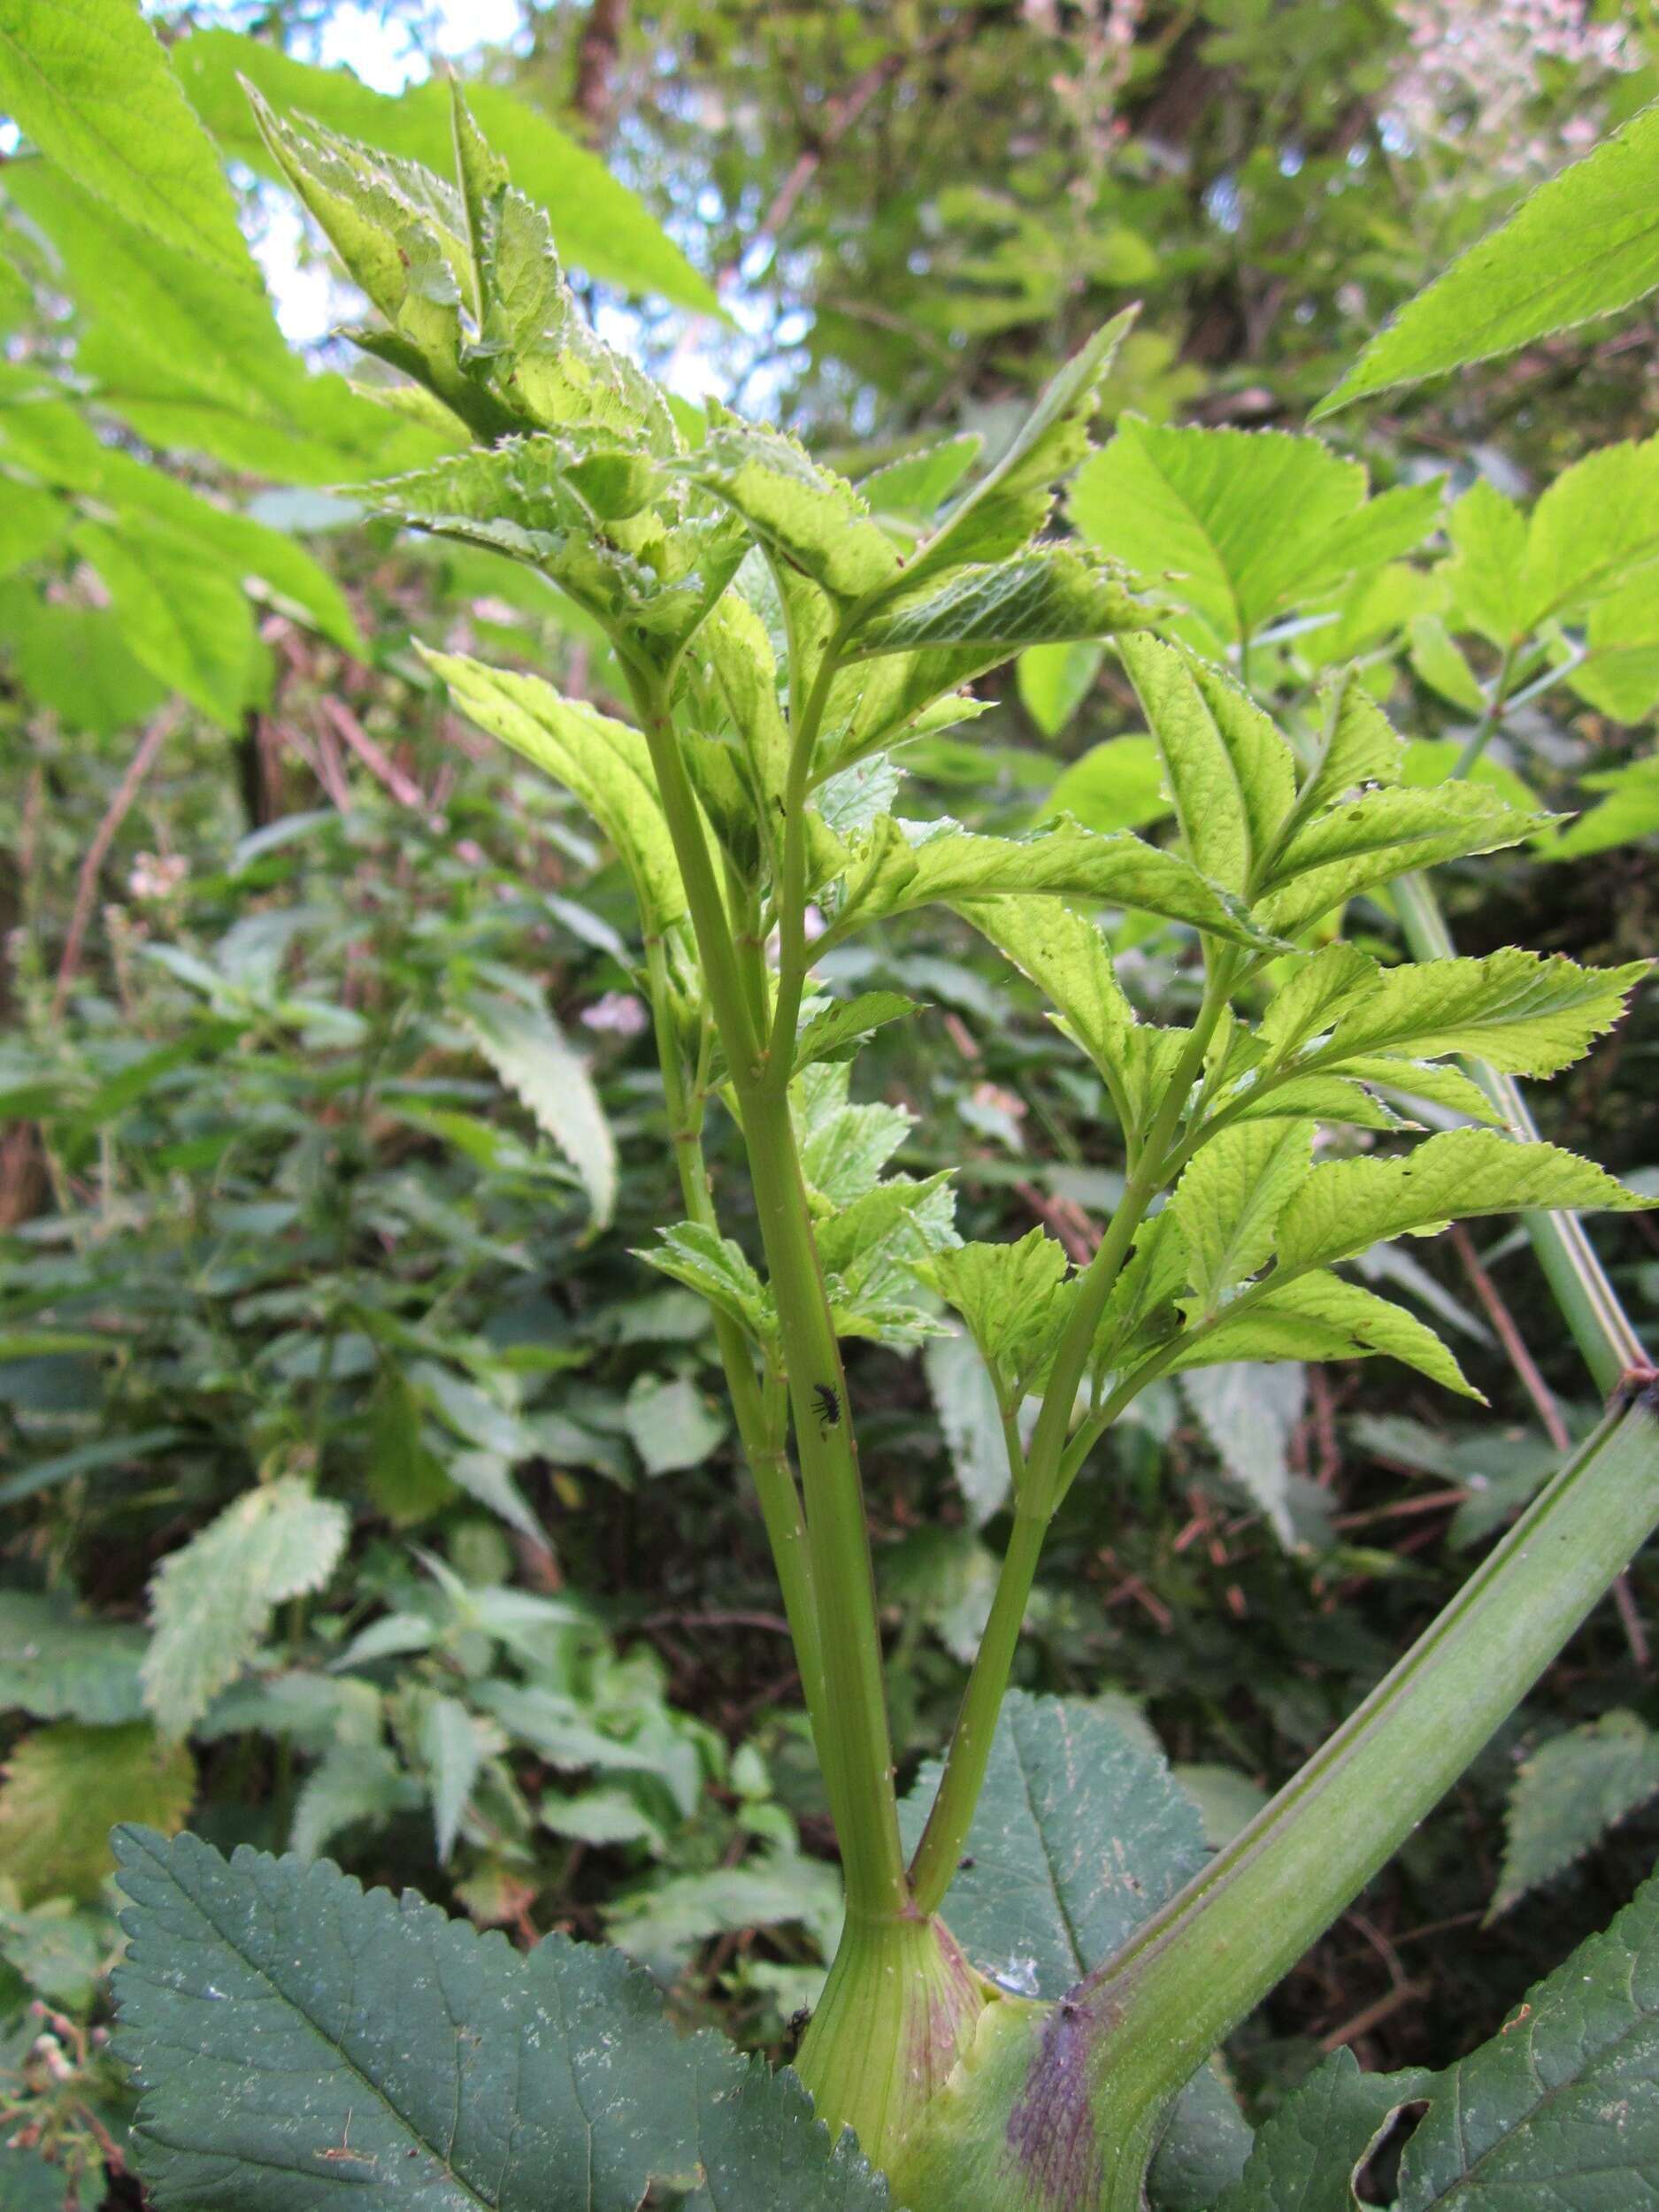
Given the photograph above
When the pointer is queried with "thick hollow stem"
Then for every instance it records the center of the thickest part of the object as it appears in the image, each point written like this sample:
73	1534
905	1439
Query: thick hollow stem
1198	1967
897	2011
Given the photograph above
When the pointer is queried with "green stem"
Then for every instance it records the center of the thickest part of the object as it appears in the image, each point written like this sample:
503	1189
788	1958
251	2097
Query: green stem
792	952
763	1450
1040	1487
858	1772
1201	1965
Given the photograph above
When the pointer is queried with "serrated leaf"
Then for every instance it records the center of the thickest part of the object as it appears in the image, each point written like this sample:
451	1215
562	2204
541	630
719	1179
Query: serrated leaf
1320	1316
1378	836
212	1602
527	1050
1346	1205
1230	1198
948	865
1313	995
1563	2105
836	1032
91	87
60	1663
351	1782
717	1270
806	515
604	763
916	483
1568	1794
1520	1012
1065	957
1356	746
1006	508
1047	595
453	1750
1241	525
1582	245
1012	1296
1079	1835
291	2033
1231	775
65	1786
844	1147
600	224
1309	2153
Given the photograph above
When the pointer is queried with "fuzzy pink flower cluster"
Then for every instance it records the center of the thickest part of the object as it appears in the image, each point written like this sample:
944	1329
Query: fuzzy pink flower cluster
1474	74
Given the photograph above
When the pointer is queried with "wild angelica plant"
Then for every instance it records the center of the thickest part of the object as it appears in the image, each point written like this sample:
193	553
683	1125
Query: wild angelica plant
781	635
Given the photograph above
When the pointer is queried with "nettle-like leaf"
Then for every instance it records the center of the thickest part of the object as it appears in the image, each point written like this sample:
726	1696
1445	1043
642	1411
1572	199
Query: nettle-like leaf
806	515
1562	2107
527	1050
1240	526
913	487
835	1031
1231	775
1049	595
294	2035
212	1602
1229	1199
1584	244
1568	1795
718	1271
605	763
94	92
1320	1316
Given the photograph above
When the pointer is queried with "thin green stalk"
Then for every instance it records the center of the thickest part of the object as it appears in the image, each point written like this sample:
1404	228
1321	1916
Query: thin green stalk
762	1443
792	952
970	1748
1201	1965
859	1772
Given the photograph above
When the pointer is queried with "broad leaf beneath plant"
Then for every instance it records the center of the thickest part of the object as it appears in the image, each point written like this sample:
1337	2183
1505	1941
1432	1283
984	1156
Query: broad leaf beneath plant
295	2037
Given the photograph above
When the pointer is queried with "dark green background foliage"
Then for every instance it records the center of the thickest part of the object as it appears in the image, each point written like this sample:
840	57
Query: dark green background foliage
363	1492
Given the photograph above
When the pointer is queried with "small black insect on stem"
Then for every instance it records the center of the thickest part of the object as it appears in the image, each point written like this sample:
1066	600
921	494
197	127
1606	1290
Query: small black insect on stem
829	1408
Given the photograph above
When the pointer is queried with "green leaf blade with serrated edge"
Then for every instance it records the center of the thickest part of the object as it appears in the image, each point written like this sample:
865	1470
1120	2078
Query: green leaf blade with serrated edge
212	1602
835	1031
1012	1296
91	87
806	515
1562	2107
1320	1316
528	1050
949	865
1310	2152
1519	1011
1229	1197
1231	774
1584	244
1346	1206
1377	836
697	1254
604	763
293	2035
1568	1795
1049	595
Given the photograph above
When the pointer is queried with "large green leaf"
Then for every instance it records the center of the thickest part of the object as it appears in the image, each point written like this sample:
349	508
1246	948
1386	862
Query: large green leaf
1046	595
1012	1296
1320	1316
1560	2108
1241	525
1378	836
90	85
1345	1206
295	2037
808	516
212	1602
1584	244
196	362
1228	1201
599	224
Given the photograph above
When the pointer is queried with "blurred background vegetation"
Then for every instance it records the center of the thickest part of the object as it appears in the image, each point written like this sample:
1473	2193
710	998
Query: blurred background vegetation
329	1127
